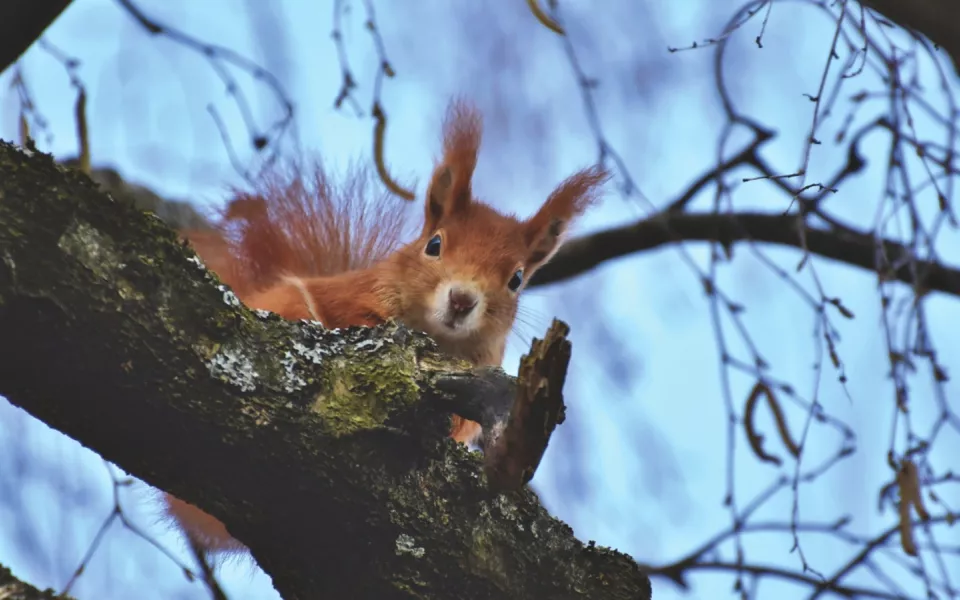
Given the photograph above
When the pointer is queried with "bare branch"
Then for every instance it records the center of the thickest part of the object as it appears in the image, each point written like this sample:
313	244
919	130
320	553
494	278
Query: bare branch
938	20
220	58
851	247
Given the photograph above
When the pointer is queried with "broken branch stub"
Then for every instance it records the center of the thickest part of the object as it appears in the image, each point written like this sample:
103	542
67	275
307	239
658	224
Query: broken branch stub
516	447
519	415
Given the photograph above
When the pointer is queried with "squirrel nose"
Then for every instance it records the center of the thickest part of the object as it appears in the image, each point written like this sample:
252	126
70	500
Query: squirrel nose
462	301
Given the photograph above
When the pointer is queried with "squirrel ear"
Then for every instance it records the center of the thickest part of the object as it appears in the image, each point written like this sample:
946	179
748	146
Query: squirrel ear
450	189
545	230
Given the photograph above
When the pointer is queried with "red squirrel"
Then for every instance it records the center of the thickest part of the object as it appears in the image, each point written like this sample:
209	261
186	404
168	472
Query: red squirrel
305	248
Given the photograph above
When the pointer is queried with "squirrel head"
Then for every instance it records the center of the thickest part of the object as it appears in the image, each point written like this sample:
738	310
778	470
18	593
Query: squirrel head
462	276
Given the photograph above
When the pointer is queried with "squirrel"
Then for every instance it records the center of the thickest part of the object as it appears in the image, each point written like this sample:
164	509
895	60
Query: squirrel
304	248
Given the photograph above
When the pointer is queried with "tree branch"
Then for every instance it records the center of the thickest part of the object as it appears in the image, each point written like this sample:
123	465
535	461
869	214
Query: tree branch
847	246
677	575
21	23
938	20
324	451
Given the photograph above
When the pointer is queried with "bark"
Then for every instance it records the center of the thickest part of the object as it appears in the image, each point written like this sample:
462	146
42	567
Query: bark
324	451
22	22
12	588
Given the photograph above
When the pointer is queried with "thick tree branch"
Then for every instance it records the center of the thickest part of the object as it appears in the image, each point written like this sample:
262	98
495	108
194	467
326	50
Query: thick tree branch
22	22
324	451
853	248
938	20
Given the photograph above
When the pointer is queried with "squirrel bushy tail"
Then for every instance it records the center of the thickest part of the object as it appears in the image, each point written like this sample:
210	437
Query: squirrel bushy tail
299	221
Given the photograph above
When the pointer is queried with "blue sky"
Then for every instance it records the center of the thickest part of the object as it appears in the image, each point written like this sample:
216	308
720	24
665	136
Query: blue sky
640	463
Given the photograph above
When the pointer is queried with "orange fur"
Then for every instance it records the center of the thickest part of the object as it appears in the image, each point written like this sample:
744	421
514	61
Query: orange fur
305	248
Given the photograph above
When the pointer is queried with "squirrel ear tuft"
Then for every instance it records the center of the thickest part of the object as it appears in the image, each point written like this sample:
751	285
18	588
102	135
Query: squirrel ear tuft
544	231
450	189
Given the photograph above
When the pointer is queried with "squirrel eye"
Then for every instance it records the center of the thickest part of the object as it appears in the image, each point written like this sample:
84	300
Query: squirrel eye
433	246
516	280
